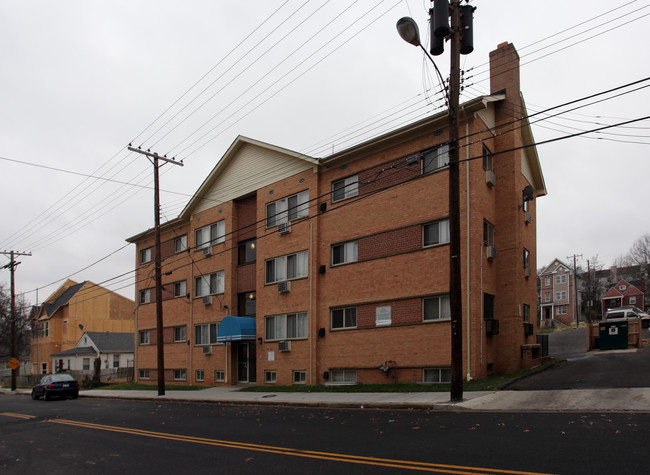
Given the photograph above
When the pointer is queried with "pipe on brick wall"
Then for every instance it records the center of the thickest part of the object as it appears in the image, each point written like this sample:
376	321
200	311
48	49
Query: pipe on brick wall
467	253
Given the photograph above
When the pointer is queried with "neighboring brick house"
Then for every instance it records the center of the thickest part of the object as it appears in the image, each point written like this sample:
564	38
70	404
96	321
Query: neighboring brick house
70	311
557	295
287	269
622	294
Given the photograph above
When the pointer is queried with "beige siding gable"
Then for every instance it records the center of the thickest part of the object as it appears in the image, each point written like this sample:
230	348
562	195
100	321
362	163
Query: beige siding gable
251	168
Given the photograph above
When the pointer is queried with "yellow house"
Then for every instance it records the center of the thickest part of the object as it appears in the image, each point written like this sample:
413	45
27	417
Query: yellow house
72	310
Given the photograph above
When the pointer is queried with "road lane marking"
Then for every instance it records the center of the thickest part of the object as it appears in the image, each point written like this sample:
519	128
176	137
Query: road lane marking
392	463
19	416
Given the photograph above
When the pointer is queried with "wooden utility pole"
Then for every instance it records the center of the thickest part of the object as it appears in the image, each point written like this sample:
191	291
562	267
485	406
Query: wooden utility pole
576	310
154	158
14	347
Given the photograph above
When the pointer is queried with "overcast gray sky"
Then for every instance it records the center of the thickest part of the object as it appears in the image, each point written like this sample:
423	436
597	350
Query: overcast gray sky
80	80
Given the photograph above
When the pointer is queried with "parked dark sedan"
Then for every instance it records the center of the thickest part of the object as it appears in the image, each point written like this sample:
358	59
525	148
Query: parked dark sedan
56	385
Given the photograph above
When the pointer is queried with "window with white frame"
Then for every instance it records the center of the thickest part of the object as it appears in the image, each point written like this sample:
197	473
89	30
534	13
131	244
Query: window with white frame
145	296
180	334
299	377
435	158
343	376
622	287
287	209
145	337
526	260
561	310
547	297
116	361
219	376
291	326
144	374
180	288
344	253
488	233
270	377
632	300
180	243
210	235
205	334
180	375
547	281
436	375
145	255
437	308
344	318
293	266
560	279
86	364
199	375
488	159
436	233
209	284
345	188
560	295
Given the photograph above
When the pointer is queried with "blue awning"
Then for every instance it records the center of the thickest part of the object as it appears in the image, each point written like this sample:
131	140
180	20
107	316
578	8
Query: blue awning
236	329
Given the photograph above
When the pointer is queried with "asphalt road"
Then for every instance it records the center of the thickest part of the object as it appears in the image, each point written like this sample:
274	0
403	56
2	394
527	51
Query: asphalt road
596	369
149	437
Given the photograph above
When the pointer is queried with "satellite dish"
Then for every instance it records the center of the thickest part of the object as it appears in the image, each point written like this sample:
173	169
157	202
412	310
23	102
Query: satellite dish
81	327
529	193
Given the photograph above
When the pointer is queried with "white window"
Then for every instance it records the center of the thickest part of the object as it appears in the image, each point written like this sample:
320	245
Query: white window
436	233
145	296
547	297
344	253
383	315
209	235
270	377
200	375
547	282
180	375
145	337
287	209
437	375
345	188
180	243
299	377
344	376
205	334
632	300
622	287
145	255
180	288
116	361
286	327
293	266
86	364
180	334
488	233
144	373
488	159
210	284
526	260
344	317
437	308
435	158
560	279
219	376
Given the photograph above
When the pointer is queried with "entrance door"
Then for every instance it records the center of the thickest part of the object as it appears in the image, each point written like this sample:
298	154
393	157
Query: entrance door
246	364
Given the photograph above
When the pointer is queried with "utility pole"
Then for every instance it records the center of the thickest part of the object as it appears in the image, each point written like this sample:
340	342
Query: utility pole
154	158
14	347
575	288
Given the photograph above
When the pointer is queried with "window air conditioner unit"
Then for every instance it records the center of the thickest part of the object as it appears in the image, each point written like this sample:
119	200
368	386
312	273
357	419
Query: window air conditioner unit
207	350
207	300
284	228
207	251
491	253
528	217
284	346
490	178
491	326
528	329
284	287
527	272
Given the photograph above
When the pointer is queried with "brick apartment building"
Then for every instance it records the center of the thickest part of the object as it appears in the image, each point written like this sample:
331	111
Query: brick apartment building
287	269
558	295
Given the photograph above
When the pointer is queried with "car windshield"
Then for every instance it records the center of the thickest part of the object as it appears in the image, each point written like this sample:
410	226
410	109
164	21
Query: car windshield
61	377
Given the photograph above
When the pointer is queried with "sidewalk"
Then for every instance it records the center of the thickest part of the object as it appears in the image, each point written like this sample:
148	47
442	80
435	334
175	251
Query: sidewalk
577	400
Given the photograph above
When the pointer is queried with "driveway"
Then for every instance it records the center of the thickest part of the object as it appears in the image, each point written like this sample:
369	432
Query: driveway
589	370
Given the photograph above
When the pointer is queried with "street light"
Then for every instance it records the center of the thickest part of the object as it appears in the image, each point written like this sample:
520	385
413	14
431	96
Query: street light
408	30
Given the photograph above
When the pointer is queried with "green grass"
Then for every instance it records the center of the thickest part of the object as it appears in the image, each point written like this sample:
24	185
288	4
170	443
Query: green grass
490	383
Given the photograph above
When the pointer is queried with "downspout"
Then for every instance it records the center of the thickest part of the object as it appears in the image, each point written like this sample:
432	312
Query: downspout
312	326
191	329
468	278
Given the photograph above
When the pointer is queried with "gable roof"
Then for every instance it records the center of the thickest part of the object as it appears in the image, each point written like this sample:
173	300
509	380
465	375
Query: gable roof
108	342
554	266
630	290
63	299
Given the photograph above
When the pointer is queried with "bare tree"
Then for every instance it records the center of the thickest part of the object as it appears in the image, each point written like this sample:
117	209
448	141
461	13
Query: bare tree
640	251
22	323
